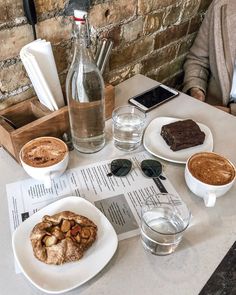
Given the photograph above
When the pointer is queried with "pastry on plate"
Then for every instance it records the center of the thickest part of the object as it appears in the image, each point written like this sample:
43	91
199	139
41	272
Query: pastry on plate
63	237
182	134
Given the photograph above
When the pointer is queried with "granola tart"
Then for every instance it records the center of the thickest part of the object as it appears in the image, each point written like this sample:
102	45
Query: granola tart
63	237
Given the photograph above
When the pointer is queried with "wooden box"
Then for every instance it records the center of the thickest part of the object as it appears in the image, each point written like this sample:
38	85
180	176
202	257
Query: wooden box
32	119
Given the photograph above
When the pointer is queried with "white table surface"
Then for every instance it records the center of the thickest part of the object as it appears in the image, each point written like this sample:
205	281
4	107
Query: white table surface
132	270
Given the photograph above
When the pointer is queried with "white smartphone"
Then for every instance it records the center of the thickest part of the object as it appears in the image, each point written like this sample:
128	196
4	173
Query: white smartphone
153	97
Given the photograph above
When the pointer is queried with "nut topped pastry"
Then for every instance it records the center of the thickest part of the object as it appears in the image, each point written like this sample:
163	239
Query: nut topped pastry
62	237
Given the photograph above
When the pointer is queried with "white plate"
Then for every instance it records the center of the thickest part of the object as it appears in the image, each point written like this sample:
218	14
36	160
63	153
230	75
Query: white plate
61	278
156	145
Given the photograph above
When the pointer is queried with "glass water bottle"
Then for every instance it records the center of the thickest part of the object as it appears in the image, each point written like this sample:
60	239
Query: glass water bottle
85	92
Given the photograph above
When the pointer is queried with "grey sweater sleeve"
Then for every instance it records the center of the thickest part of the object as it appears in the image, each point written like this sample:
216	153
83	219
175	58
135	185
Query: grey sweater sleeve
196	67
233	109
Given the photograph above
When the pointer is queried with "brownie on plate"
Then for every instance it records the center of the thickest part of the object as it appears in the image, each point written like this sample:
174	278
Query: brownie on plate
182	134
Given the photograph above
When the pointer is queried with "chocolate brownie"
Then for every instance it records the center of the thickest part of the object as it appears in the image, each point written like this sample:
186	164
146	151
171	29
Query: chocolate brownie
182	134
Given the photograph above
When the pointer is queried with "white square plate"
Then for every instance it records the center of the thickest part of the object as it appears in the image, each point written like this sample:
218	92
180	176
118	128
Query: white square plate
57	279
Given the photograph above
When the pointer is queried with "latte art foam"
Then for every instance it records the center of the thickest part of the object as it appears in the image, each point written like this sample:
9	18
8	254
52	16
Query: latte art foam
211	168
43	152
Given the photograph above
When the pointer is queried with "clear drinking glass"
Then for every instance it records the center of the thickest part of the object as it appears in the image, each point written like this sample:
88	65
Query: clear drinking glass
128	127
163	223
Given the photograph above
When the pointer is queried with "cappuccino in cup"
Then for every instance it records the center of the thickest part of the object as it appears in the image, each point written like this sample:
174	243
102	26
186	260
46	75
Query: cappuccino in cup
209	175
211	168
43	152
45	158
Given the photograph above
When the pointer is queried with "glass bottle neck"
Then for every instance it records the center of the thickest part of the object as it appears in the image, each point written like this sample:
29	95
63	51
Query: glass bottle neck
81	42
81	33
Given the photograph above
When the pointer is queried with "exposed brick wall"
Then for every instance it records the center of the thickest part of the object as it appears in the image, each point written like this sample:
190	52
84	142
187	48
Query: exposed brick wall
150	37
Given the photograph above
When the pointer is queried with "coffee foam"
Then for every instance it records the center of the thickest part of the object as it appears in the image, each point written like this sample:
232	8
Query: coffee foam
43	152
211	168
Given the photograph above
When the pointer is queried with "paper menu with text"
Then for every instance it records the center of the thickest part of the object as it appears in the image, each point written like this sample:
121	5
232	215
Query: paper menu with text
119	198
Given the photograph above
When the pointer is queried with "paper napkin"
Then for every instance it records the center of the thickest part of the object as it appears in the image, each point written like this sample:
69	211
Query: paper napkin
40	65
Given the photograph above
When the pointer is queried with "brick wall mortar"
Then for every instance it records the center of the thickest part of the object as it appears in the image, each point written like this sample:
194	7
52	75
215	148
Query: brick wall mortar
138	28
15	91
20	21
11	24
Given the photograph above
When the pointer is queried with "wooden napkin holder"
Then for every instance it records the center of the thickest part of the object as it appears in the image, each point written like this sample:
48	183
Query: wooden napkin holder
32	120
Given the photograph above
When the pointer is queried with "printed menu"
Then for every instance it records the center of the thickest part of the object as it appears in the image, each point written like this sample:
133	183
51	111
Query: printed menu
118	198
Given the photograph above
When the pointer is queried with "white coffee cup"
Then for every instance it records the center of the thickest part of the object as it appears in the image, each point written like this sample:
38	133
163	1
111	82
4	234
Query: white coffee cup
199	170
50	170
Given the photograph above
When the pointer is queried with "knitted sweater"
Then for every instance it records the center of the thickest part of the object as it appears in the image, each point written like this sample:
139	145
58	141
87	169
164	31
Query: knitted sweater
210	62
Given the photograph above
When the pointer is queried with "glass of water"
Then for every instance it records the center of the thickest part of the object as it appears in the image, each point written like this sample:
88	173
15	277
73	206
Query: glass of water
128	127
164	219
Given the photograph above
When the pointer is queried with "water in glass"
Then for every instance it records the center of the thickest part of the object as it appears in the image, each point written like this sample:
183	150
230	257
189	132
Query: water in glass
160	232
85	93
128	129
163	223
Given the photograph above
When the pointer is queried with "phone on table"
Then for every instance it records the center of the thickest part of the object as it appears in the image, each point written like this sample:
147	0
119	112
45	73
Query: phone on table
153	97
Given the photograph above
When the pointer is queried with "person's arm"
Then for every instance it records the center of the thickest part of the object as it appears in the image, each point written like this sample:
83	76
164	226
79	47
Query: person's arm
197	93
232	108
225	109
196	67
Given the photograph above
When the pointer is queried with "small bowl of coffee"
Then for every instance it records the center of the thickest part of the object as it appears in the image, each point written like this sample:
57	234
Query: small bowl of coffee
45	158
209	176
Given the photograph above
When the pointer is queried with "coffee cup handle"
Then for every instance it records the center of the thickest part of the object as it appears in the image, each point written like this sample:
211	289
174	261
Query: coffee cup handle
47	181
48	178
210	199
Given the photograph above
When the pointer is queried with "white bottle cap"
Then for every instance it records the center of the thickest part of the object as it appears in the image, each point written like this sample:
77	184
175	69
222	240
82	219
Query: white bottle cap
80	15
